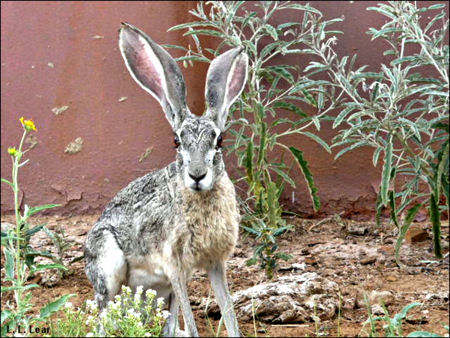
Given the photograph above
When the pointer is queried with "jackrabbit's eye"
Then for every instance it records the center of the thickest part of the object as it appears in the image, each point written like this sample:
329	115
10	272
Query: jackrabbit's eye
176	141
219	142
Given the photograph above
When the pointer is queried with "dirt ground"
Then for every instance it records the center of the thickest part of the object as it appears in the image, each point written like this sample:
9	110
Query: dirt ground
359	257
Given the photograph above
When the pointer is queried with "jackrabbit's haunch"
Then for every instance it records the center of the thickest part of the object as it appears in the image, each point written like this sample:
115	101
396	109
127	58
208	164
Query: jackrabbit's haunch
164	225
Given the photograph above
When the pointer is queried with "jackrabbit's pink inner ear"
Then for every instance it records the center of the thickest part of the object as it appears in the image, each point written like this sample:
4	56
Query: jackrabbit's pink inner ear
143	63
237	78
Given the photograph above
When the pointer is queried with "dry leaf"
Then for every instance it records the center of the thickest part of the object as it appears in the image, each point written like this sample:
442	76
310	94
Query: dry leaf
59	110
145	154
75	146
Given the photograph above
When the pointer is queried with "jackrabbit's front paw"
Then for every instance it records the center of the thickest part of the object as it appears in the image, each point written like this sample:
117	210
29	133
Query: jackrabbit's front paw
182	333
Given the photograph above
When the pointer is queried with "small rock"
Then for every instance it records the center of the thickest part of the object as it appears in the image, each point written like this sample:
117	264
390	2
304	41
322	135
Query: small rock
377	309
290	299
349	303
297	266
368	260
262	328
294	266
238	252
389	240
387	249
421	216
359	229
417	321
416	233
50	277
6	226
436	298
381	259
391	278
304	252
310	261
315	242
375	297
444	245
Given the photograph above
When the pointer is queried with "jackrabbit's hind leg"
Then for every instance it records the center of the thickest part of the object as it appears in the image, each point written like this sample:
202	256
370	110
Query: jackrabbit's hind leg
107	270
171	326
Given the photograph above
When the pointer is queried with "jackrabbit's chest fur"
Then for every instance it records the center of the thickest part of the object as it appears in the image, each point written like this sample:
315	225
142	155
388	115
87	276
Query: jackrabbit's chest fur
208	224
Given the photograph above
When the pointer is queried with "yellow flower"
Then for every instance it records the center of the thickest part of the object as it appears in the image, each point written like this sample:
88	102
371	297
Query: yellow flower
12	151
28	124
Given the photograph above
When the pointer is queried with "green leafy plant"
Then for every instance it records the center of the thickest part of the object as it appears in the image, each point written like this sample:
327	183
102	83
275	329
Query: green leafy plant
62	244
406	116
392	327
19	255
127	316
261	119
401	111
26	251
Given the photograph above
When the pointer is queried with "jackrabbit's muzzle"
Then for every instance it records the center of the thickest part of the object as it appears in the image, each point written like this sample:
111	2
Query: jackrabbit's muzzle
198	179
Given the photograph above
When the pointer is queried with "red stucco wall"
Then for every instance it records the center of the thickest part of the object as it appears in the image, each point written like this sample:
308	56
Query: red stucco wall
51	56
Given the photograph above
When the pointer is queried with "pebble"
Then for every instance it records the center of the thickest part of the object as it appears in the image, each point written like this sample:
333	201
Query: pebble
310	261
377	309
416	233
375	297
368	260
6	226
391	278
357	229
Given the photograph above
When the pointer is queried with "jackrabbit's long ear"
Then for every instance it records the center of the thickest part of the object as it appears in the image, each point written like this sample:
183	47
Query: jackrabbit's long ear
155	71
225	81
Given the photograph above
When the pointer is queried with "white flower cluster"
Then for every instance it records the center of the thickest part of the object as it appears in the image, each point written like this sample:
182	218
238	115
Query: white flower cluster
90	320
160	302
150	293
114	306
91	306
139	290
126	291
103	315
127	312
138	295
165	314
133	315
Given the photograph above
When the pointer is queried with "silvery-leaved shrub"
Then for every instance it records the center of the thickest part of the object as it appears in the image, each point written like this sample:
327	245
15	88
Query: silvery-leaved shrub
402	111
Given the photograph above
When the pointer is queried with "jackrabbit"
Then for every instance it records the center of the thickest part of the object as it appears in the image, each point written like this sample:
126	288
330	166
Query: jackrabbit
162	226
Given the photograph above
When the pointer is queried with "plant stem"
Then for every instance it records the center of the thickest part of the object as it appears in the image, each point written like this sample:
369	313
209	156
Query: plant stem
19	262
411	152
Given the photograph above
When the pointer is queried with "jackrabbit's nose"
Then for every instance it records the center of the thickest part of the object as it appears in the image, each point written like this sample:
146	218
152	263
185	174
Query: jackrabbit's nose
197	178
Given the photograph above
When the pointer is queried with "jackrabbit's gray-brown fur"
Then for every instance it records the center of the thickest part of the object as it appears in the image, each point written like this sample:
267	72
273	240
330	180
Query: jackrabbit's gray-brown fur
162	226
